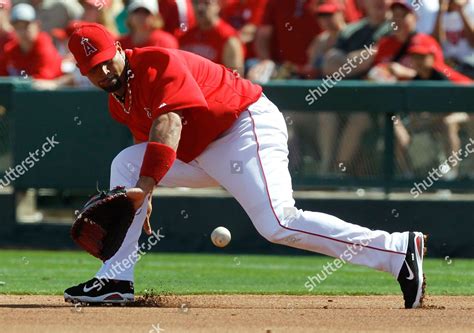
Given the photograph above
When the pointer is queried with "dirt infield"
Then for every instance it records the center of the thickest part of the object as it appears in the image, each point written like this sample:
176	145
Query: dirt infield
239	313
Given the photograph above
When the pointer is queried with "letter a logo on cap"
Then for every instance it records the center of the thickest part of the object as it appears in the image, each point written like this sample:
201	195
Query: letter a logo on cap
88	47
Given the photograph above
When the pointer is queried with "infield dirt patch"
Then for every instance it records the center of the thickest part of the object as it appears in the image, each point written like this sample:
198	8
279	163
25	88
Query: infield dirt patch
239	313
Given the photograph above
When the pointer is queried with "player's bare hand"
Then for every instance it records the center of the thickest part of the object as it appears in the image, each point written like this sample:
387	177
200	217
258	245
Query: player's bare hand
146	224
138	195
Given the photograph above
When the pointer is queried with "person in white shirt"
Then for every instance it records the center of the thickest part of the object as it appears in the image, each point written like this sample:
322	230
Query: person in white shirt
426	12
454	29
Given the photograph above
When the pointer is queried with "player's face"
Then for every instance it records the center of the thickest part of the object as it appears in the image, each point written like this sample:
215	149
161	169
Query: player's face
109	75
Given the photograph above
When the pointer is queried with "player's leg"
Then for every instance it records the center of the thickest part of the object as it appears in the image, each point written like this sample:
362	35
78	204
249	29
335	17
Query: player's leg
262	185
125	171
114	280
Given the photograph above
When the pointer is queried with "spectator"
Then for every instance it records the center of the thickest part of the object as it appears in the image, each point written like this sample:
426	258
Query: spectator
356	37
393	56
428	61
454	30
392	62
31	53
98	11
353	10
145	24
72	76
56	13
426	12
331	19
245	16
178	15
6	29
287	30
352	44
213	38
61	36
121	18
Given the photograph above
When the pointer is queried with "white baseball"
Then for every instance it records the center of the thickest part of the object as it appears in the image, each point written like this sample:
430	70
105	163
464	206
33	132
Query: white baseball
220	237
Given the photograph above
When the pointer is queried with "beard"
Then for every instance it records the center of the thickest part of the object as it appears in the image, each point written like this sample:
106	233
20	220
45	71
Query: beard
113	85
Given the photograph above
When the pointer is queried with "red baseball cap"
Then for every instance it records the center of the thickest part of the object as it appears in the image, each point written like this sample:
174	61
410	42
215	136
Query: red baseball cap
91	44
425	44
328	8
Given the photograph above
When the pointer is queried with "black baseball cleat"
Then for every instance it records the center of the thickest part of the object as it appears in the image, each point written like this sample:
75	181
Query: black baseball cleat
411	277
101	291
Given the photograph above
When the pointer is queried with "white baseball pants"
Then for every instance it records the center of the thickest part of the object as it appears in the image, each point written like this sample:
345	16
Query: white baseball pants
250	161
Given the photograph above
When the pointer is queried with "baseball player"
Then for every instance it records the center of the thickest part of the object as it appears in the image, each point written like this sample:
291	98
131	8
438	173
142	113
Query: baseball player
198	124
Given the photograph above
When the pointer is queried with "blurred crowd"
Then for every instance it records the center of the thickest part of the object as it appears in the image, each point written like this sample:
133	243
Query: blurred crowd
380	40
377	40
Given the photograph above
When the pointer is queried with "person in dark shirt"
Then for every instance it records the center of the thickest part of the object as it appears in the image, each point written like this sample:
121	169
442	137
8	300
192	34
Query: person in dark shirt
356	38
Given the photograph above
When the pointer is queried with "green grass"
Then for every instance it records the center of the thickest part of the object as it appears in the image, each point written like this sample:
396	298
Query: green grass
48	272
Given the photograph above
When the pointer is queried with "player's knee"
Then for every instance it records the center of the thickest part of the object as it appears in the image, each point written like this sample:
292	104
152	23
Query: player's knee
273	232
123	165
265	227
276	235
117	163
275	227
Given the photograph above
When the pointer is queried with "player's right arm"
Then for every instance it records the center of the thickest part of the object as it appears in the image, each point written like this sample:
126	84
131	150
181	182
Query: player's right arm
165	133
166	82
160	154
166	129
